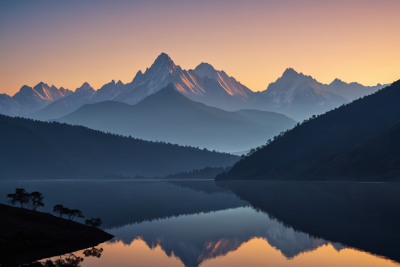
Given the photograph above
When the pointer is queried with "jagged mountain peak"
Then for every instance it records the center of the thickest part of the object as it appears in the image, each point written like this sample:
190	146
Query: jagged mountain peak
289	72
25	88
119	83
338	82
40	86
84	87
162	61
162	58
205	70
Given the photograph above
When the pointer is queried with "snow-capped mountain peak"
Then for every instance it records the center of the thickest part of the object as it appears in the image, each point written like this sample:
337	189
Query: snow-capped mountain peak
85	87
229	84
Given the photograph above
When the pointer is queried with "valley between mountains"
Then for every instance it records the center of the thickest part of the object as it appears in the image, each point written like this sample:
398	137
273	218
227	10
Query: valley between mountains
169	121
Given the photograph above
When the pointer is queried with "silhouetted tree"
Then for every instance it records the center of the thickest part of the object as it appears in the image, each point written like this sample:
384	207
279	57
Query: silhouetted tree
59	210
93	252
36	200
94	222
73	213
20	196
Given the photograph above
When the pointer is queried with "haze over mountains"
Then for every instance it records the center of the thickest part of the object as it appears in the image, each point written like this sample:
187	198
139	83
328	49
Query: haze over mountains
294	94
42	150
169	116
358	141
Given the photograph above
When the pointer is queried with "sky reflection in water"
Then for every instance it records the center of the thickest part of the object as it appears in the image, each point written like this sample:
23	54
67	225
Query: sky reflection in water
235	237
204	224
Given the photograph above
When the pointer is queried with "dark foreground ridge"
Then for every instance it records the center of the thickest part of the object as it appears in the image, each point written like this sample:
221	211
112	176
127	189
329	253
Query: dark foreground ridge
356	142
27	236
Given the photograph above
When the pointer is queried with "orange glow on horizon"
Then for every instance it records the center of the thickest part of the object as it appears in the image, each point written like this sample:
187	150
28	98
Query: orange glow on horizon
256	252
67	44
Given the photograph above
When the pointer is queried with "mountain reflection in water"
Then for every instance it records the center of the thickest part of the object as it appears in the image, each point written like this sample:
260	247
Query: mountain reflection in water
196	238
252	223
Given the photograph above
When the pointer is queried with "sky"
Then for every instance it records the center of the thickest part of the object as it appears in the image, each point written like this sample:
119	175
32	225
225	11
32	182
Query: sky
69	42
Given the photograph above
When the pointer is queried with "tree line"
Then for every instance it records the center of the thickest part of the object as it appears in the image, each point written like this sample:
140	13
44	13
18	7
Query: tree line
34	200
281	134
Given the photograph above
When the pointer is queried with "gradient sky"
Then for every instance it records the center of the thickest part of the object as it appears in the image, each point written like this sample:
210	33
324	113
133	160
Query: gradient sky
69	42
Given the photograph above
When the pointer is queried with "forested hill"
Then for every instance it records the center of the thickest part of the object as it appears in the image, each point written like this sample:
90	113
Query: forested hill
356	142
32	149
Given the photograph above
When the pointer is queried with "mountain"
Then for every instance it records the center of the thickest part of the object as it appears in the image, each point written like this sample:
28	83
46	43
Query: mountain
65	92
352	91
108	91
169	116
297	96
226	94
65	105
231	86
8	106
33	149
29	99
294	94
355	142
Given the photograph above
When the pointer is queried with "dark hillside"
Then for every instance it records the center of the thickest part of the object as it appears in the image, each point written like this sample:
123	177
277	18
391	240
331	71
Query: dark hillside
298	154
23	152
378	158
28	236
31	149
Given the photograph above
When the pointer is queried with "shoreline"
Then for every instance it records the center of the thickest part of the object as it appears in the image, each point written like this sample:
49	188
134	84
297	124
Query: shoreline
28	236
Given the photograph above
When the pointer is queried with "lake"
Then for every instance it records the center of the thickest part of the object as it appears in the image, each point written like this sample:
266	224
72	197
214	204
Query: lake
238	223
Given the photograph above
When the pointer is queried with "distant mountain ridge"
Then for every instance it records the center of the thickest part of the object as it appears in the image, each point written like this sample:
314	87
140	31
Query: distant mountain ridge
83	95
170	116
352	91
28	99
297	95
294	94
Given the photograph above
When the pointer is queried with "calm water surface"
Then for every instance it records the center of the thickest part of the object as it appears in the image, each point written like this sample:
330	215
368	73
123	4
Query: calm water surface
203	223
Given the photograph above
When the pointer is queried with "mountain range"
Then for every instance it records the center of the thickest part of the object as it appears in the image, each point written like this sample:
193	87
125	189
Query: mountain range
34	149
29	99
356	142
294	94
170	116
